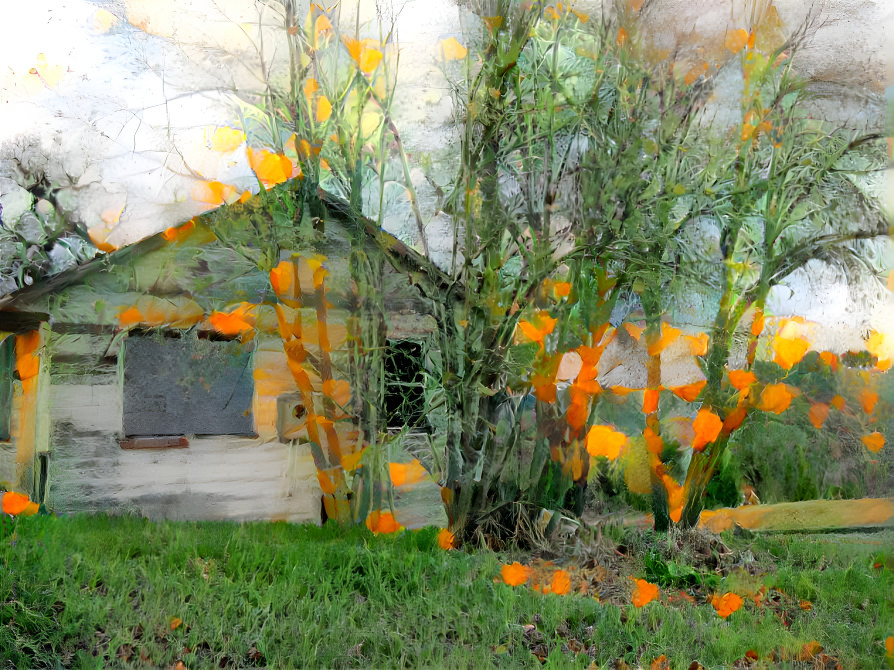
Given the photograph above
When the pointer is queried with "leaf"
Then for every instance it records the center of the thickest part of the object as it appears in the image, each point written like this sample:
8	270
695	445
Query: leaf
446	539
874	441
817	414
726	604
707	426
644	593
775	398
561	583
451	49
516	574
605	441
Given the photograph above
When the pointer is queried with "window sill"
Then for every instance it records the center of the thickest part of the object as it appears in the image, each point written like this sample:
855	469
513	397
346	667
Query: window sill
162	442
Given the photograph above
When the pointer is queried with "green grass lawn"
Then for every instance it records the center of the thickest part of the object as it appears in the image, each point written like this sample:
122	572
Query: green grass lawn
100	592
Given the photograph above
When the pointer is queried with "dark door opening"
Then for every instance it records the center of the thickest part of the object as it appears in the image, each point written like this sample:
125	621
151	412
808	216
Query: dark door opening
405	386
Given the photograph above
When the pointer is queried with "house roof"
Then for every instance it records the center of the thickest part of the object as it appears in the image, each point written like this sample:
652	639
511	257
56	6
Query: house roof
13	306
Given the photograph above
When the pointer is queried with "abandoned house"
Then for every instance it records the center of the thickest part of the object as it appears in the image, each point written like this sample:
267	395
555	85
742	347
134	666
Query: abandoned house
119	394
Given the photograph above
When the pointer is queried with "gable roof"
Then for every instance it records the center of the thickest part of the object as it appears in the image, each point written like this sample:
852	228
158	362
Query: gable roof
13	305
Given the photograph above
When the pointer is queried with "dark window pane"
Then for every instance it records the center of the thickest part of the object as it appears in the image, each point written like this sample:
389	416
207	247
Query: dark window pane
7	372
180	386
404	385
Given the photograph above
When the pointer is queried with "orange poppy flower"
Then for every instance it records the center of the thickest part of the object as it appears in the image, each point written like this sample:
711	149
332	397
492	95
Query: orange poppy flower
561	583
446	539
605	441
789	350
540	325
740	379
578	412
650	400
707	426
874	441
698	344
757	325
644	593
633	330
736	40
868	399
516	574
817	414
726	604
382	523
238	322
734	419
407	474
829	359
17	504
775	398
669	334
689	392
451	49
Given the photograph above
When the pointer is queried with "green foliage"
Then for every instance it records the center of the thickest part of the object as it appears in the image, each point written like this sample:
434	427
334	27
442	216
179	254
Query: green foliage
670	574
97	592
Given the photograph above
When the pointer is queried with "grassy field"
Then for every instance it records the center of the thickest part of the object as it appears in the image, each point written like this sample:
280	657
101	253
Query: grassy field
100	592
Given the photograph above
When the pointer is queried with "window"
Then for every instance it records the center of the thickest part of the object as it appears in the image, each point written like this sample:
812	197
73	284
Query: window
7	375
405	386
185	385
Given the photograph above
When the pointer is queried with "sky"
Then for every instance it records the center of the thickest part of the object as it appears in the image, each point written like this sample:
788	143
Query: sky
118	101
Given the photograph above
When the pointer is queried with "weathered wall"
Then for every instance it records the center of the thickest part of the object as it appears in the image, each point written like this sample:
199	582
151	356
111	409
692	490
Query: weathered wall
175	286
215	477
